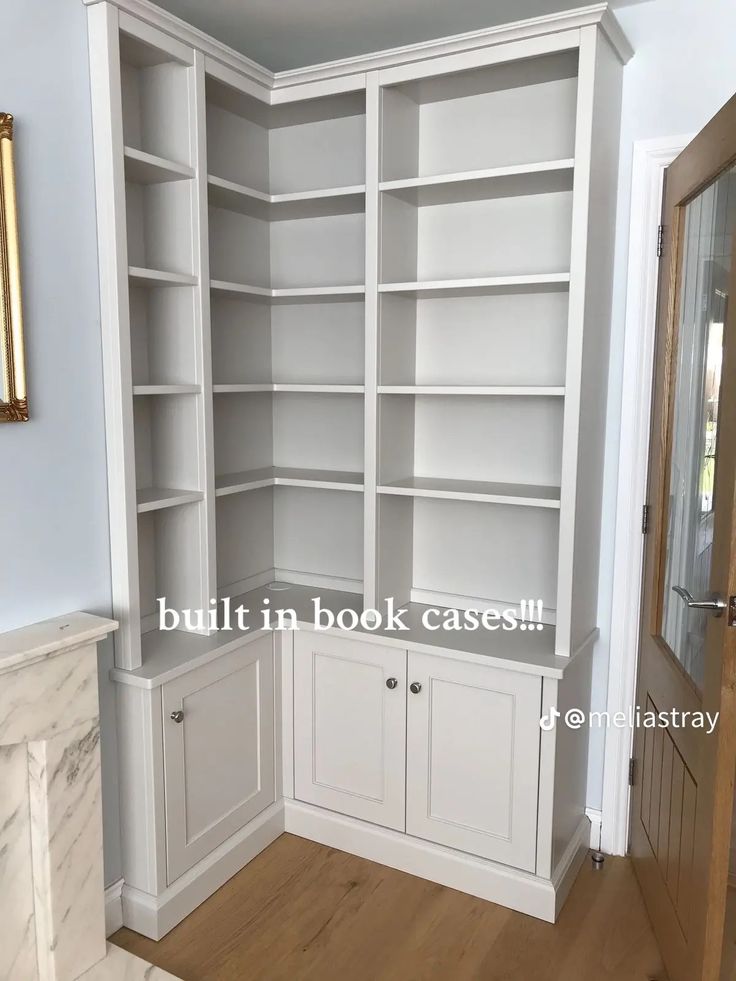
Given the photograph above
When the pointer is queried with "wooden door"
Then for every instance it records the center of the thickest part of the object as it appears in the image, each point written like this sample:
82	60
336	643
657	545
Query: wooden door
473	758
683	795
350	727
218	752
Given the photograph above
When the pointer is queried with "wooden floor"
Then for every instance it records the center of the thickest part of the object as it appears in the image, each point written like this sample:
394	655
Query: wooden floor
303	912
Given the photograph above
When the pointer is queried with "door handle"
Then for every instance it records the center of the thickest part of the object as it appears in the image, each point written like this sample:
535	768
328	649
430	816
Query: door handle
714	604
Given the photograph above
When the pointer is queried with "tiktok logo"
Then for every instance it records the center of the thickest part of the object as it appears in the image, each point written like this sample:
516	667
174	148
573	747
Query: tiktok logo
548	722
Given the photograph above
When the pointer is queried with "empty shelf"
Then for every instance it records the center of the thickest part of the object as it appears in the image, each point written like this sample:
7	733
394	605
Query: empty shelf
156	498
295	293
166	389
535	390
302	204
239	289
541	283
158	277
528	495
541	178
288	387
235	483
147	168
316	291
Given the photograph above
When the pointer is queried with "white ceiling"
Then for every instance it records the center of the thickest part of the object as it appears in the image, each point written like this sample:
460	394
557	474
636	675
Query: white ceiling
283	34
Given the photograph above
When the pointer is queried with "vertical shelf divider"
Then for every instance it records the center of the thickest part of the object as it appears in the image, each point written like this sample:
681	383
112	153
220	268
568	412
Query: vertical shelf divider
370	407
575	325
205	436
106	93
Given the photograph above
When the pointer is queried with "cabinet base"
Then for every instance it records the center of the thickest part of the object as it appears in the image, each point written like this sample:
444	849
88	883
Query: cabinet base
520	891
154	916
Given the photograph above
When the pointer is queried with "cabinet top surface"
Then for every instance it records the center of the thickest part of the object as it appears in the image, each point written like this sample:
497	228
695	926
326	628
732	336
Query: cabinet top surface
171	653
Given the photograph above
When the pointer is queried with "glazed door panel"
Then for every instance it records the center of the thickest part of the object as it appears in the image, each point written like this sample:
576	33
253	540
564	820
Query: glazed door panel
683	797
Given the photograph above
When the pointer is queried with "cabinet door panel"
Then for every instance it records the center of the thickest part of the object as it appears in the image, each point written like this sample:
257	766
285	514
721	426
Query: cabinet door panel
349	727
219	761
473	758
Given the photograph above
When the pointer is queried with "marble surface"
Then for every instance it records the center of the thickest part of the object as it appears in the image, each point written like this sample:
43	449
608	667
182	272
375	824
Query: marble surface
52	899
66	844
17	914
40	700
50	637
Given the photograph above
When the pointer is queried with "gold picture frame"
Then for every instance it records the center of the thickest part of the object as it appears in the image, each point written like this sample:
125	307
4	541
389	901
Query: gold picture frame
13	399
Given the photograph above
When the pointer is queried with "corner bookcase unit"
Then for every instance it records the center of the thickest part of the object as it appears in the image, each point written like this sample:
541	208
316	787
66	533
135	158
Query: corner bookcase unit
355	349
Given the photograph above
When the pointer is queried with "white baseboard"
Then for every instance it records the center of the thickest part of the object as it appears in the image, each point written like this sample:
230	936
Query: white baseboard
113	907
154	916
595	817
568	867
477	876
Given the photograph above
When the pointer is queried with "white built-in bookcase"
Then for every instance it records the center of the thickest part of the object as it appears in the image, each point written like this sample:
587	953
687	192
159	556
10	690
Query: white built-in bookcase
355	329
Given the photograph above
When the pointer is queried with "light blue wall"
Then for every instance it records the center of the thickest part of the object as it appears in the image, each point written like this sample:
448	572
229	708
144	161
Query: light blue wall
54	534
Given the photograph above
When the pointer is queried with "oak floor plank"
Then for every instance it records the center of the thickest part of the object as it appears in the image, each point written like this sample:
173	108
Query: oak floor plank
304	912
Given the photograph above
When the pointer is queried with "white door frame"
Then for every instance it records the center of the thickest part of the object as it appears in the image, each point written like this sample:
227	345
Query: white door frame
650	159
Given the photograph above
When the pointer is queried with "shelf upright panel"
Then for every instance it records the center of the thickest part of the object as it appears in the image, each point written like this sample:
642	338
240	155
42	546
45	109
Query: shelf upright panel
107	116
370	405
203	440
591	261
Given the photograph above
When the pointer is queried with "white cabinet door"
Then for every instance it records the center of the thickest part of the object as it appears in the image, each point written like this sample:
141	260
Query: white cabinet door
219	759
473	758
350	727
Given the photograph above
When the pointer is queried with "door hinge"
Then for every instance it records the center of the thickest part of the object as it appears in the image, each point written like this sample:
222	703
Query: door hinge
732	611
645	520
632	771
660	241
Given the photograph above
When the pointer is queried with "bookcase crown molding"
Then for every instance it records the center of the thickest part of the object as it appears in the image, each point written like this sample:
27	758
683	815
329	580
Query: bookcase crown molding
597	14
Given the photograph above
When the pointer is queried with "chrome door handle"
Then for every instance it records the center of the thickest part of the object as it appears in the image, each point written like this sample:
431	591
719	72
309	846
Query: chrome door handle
177	716
714	604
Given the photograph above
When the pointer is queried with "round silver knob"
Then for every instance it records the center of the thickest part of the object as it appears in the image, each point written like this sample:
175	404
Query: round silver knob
177	716
391	683
415	687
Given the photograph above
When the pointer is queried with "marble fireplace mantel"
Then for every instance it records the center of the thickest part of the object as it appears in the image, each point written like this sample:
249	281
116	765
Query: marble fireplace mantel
52	918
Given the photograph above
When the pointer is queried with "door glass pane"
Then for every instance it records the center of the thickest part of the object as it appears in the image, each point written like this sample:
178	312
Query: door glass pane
709	223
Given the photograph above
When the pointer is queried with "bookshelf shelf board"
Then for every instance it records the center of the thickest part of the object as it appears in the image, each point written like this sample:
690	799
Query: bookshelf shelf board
148	168
235	483
524	179
297	204
158	498
166	389
526	495
286	294
498	390
481	286
232	389
158	277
